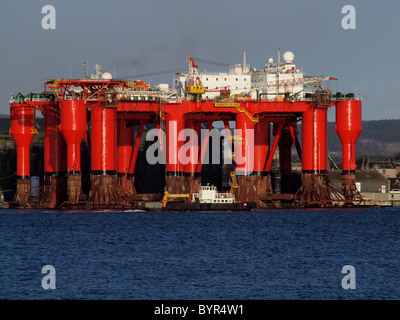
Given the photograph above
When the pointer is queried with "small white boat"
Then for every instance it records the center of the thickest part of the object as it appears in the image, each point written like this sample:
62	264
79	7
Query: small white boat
210	194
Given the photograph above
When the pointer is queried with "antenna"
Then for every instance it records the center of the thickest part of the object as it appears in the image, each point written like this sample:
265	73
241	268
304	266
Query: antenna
244	61
97	68
84	70
279	56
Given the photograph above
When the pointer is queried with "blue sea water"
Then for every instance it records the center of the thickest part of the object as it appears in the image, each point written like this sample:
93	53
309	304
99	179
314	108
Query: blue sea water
257	255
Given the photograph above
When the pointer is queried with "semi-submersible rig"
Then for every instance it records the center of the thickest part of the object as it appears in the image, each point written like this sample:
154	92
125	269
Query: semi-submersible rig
102	112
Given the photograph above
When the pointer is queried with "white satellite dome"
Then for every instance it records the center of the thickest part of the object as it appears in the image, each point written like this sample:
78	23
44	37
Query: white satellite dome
106	76
270	61
288	57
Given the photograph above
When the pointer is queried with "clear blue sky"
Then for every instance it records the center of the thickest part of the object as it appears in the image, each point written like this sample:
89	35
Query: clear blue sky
144	36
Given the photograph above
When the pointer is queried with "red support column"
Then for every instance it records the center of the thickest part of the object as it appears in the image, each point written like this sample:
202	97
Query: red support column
103	140
192	178
261	146
321	140
124	154
22	129
348	127
245	157
103	190
174	169
73	128
315	179
307	141
244	160
261	178
55	161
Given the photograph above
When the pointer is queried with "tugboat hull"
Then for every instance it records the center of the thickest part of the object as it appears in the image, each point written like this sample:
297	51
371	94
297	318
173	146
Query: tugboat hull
182	206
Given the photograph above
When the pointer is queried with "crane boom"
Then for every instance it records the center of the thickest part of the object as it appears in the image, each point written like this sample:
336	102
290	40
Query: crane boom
194	85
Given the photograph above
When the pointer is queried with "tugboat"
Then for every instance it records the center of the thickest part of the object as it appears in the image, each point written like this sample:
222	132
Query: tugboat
210	194
207	199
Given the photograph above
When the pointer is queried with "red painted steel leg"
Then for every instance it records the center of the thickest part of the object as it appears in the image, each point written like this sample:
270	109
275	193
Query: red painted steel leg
104	189
174	169
315	189
247	190
73	129
261	178
22	129
348	127
124	154
192	178
55	164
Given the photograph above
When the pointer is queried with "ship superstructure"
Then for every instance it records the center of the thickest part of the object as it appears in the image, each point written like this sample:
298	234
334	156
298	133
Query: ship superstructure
274	82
